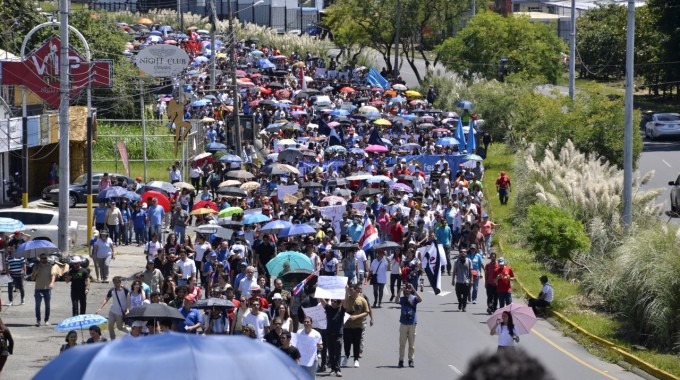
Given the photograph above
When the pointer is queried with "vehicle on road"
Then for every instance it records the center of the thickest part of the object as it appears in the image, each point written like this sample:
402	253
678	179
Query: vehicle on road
663	124
78	189
41	224
675	195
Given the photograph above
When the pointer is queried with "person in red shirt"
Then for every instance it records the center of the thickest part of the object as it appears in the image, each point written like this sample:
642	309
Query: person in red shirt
490	276
396	230
504	276
503	185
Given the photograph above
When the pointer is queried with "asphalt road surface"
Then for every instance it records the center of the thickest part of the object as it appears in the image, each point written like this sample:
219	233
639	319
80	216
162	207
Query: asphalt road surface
662	156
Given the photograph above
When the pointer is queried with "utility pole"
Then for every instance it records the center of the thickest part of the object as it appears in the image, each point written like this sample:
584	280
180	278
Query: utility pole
234	86
180	15
64	135
474	7
213	48
572	52
141	105
628	131
24	149
396	41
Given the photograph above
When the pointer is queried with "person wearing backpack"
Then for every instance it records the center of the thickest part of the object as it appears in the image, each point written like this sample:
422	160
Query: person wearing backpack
119	307
461	279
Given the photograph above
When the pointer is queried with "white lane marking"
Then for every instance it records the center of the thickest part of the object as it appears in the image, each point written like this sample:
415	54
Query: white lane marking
665	162
456	370
441	294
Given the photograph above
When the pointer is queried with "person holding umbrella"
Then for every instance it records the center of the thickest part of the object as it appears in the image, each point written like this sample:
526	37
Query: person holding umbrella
506	331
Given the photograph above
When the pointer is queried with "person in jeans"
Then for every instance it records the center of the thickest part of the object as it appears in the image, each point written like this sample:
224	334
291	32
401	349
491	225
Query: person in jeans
462	278
156	215
44	274
179	221
99	216
139	224
16	267
335	314
442	233
104	252
477	265
119	306
114	222
408	322
504	276
490	284
357	307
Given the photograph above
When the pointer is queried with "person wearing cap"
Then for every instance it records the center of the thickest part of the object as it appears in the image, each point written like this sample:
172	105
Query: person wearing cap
192	317
136	330
79	278
114	221
119	306
503	188
103	251
504	276
545	297
256	293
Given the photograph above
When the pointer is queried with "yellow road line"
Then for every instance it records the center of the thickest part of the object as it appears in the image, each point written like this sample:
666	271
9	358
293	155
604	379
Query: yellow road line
550	342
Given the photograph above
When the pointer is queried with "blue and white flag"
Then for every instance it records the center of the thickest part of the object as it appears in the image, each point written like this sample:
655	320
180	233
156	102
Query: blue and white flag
377	80
471	138
460	135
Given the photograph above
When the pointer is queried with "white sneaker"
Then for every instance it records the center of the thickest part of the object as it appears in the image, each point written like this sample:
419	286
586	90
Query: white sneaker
9	304
356	364
344	362
22	302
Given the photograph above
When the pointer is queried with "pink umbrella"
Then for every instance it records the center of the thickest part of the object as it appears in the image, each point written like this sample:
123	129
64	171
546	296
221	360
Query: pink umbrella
376	149
333	124
166	99
170	42
401	187
254	103
522	316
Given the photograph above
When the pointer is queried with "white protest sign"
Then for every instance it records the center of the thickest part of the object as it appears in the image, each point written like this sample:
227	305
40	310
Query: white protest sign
334	213
318	315
282	191
345	318
360	207
307	347
331	287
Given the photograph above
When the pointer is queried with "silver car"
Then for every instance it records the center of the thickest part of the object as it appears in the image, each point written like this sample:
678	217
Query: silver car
675	195
663	124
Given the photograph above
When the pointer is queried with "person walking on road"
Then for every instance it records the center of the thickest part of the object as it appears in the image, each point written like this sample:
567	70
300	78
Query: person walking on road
79	278
503	186
378	277
119	307
504	276
16	266
490	284
477	265
44	274
506	331
462	278
408	321
104	252
114	222
357	307
156	215
335	314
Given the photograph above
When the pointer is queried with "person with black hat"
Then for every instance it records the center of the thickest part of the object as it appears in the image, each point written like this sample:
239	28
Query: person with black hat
545	297
79	278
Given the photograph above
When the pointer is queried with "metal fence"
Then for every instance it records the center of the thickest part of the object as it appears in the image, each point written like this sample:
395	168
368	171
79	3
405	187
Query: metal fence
282	19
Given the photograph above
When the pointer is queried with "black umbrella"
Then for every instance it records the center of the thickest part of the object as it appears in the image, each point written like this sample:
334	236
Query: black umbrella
232	192
231	223
311	185
367	192
213	302
337	182
152	311
314	225
406	177
289	155
299	274
345	246
275	85
387	245
267	102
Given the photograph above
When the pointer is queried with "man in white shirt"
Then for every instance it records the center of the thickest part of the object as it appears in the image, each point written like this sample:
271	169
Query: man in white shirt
258	319
360	255
244	285
544	298
186	266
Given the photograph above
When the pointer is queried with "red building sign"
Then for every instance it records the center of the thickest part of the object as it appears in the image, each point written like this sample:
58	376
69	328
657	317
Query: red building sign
39	72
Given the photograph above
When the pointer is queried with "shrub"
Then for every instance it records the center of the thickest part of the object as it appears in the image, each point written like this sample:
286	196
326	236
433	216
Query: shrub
552	233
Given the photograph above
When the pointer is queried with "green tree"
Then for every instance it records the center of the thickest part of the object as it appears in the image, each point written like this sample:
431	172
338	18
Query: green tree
532	49
555	234
665	16
17	18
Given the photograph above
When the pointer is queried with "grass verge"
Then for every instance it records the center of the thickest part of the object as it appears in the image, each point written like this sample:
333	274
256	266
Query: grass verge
568	299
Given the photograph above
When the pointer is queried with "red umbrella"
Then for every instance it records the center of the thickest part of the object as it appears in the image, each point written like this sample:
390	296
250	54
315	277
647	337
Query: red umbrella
205	204
376	102
255	75
254	103
162	199
347	89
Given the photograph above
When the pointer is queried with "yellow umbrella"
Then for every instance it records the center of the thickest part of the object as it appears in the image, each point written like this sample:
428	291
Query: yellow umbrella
192	28
250	186
221	55
203	211
144	21
382	122
413	94
208	120
230	183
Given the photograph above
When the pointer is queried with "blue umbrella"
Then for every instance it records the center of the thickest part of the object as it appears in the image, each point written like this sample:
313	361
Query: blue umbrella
275	127
373	115
201	59
275	226
10	225
409	116
200	103
282	105
185	356
295	260
112	192
80	322
35	244
215	146
165	28
466	105
265	64
296	230
132	196
180	36
398	99
255	219
336	149
447	141
192	72
155	33
339	112
230	158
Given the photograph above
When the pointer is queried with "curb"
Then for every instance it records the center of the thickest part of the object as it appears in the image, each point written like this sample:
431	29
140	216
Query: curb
637	363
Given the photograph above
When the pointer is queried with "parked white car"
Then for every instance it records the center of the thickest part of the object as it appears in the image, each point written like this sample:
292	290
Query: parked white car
41	224
663	124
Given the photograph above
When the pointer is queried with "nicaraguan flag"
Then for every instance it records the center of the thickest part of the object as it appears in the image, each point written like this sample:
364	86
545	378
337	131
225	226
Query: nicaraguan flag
471	138
460	135
377	80
370	236
432	260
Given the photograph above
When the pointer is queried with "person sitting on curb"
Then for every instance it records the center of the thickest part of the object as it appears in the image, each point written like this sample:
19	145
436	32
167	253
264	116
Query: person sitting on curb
545	297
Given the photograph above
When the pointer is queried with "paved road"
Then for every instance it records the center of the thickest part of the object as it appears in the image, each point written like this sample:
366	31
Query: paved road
662	156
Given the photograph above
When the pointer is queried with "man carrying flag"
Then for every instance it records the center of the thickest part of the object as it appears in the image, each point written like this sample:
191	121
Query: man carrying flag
432	260
370	236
